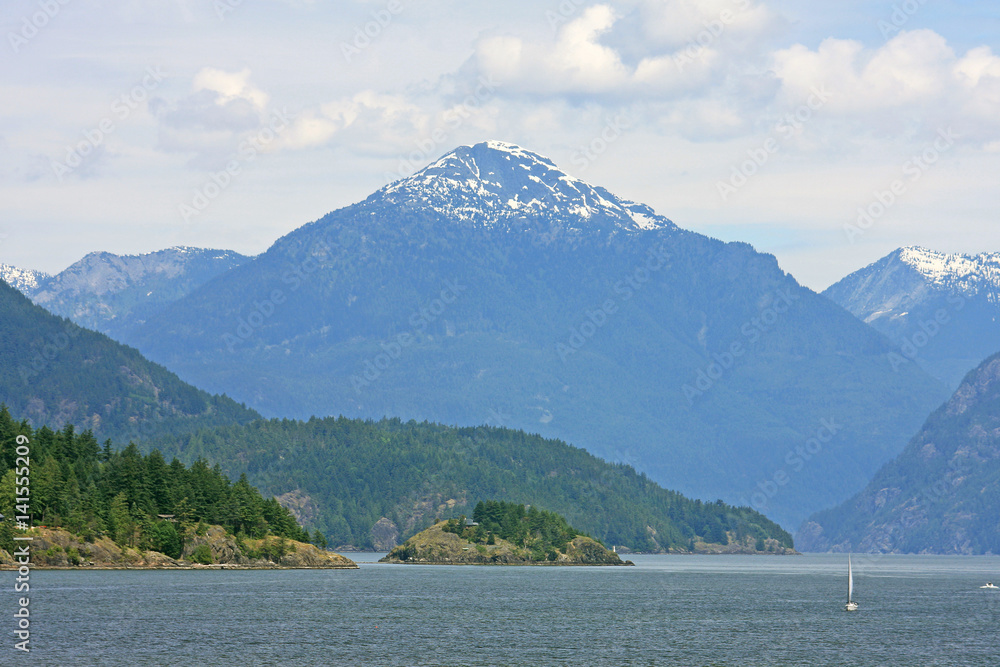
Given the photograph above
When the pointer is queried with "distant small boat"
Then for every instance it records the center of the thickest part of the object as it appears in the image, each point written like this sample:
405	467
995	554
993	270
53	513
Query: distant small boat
990	585
851	604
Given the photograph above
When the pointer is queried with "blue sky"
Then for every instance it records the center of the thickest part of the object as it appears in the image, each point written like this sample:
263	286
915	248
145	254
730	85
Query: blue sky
827	134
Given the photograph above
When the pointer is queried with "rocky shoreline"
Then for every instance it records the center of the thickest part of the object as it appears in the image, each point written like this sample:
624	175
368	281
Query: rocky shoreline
213	549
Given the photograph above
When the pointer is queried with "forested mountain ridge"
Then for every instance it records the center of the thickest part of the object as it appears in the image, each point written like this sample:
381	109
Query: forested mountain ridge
940	495
55	372
373	484
493	287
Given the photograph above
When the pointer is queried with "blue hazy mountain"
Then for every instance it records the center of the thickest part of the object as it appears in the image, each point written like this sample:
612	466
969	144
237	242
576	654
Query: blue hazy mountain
493	287
940	495
113	293
942	311
54	372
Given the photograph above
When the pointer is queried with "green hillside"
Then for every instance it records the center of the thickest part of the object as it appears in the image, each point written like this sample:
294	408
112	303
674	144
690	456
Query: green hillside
55	372
363	482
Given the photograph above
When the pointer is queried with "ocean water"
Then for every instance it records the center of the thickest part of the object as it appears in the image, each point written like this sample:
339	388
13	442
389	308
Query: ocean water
668	610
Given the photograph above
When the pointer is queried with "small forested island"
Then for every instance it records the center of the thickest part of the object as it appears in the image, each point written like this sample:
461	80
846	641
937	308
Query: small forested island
95	507
503	533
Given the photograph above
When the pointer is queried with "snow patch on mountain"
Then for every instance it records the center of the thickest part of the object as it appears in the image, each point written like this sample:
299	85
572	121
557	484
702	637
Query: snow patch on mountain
964	274
498	184
25	281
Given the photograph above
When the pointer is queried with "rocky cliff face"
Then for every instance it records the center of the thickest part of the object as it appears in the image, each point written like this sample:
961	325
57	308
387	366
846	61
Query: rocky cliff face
941	495
385	535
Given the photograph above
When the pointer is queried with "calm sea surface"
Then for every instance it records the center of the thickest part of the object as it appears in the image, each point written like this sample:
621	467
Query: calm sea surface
669	610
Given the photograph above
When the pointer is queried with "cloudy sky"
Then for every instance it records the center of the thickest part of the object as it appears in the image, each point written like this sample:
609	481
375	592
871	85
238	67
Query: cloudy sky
827	134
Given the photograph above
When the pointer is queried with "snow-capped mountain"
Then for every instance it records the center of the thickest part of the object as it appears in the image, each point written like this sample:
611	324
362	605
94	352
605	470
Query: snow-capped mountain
941	309
102	273
23	280
969	275
496	184
111	293
492	287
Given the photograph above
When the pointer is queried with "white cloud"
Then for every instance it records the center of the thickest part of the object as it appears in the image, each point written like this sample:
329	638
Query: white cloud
369	121
577	61
208	124
230	86
915	77
683	22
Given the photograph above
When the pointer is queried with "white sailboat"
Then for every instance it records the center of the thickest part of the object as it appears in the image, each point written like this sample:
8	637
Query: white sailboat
851	604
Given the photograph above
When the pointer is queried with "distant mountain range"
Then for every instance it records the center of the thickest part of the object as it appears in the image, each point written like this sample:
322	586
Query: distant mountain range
359	483
53	372
115	293
493	287
940	495
941	311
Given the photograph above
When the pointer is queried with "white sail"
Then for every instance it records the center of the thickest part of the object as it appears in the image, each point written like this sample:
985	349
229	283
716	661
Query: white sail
850	580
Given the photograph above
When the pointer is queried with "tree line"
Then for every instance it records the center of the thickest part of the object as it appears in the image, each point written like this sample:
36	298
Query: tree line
355	472
138	500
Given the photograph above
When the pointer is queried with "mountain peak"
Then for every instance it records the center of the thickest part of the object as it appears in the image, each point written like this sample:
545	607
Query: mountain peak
963	273
498	184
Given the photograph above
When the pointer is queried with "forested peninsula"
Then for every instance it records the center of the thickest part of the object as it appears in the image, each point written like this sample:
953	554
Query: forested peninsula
87	505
